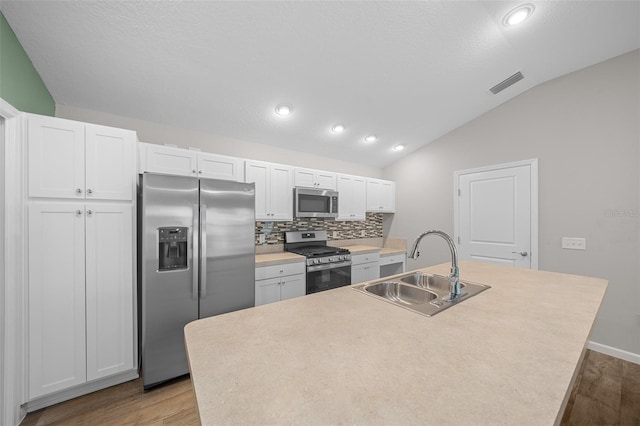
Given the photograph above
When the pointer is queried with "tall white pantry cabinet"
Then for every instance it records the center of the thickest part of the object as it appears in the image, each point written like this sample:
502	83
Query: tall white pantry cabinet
81	192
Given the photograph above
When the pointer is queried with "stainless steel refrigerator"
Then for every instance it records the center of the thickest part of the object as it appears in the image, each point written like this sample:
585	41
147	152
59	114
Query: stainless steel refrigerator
197	257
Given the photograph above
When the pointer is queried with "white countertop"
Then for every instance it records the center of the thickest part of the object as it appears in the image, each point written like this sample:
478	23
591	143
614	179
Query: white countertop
505	356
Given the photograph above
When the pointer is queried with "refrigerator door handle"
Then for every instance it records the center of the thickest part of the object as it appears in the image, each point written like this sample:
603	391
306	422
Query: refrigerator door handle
196	250
203	251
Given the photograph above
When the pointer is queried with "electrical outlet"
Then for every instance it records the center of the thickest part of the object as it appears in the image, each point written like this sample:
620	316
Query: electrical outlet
335	235
363	233
261	238
572	243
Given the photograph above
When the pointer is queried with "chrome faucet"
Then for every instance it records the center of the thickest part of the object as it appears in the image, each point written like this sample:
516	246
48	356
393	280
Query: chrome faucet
454	279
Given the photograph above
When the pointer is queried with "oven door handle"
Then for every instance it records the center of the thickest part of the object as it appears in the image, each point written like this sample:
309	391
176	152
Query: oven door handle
324	267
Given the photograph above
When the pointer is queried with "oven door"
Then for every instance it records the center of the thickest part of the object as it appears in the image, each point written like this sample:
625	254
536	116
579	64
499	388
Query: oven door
327	277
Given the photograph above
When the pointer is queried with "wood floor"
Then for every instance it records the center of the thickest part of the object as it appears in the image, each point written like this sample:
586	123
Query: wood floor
606	392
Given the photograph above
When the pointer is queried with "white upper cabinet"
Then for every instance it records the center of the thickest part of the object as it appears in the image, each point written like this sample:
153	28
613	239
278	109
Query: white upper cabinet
109	154
167	159
220	167
274	190
56	157
73	160
352	197
185	162
309	178
381	196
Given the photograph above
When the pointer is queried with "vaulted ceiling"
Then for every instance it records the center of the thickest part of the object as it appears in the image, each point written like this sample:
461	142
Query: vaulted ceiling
406	72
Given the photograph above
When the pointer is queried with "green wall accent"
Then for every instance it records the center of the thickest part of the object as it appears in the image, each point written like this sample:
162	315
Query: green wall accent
20	83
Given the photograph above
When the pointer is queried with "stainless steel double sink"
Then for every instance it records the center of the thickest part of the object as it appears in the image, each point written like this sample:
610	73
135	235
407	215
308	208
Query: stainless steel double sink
425	294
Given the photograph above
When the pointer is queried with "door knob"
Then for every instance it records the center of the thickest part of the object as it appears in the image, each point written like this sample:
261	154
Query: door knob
521	253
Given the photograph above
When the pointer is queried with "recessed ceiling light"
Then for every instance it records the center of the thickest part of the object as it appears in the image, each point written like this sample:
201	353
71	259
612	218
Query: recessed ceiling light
398	147
283	110
370	139
338	128
519	14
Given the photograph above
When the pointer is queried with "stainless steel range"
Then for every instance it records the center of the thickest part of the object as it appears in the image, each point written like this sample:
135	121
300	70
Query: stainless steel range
327	267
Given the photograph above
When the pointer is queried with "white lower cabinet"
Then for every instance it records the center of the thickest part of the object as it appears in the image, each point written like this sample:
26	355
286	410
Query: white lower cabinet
365	267
392	265
280	282
81	293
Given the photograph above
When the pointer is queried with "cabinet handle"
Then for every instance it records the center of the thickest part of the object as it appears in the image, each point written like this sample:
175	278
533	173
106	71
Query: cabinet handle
78	212
89	191
89	212
193	171
200	171
78	191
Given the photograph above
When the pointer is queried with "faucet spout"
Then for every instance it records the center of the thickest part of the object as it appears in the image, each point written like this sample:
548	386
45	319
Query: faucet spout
454	276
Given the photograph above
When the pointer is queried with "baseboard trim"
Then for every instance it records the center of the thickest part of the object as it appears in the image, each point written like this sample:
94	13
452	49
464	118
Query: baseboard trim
615	352
77	391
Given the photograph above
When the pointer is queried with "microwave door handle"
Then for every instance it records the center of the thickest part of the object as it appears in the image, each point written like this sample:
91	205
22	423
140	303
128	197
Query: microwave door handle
203	251
195	233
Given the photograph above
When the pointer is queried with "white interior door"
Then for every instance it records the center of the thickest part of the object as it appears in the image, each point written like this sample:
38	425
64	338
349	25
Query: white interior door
496	214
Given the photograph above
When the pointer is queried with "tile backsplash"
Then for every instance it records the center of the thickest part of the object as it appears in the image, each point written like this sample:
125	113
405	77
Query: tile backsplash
336	230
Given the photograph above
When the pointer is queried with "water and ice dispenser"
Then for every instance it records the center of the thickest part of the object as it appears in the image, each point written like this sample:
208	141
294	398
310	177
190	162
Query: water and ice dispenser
172	248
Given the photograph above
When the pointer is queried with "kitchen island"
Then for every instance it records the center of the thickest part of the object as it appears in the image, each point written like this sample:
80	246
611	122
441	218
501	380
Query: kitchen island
506	356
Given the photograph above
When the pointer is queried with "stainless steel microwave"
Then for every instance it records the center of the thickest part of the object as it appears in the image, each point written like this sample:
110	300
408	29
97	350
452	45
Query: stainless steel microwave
309	202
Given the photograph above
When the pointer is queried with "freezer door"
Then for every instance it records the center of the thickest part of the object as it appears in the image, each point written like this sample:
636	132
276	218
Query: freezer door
169	288
227	281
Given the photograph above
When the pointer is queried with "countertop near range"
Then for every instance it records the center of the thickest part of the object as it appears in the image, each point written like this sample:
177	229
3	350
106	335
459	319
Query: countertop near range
506	356
278	258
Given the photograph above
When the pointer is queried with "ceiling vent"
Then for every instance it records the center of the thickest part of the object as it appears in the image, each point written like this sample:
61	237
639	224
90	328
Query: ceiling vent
506	83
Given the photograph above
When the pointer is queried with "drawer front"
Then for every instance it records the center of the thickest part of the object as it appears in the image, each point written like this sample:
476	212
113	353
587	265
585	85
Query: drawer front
357	259
274	271
388	260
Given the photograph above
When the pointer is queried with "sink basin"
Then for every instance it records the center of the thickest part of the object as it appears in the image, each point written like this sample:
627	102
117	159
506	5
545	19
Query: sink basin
430	281
401	293
425	294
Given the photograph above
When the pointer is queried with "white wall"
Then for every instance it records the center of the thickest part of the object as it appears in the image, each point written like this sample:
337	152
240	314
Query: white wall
163	134
584	128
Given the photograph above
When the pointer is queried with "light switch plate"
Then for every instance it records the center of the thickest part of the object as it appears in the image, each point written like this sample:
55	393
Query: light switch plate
572	243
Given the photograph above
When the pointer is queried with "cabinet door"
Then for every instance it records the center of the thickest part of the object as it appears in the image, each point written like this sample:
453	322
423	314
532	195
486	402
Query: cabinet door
359	198
373	195
109	287
281	192
170	160
388	196
109	169
358	273
258	173
56	291
305	178
267	291
293	286
352	197
372	271
365	272
326	180
345	203
55	157
219	167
